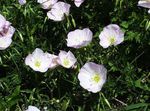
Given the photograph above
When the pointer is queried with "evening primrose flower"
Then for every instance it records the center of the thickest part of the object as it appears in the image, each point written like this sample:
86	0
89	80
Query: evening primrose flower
53	60
58	11
66	59
32	108
22	2
111	35
145	4
39	61
92	76
2	22
78	2
79	38
6	38
6	33
47	4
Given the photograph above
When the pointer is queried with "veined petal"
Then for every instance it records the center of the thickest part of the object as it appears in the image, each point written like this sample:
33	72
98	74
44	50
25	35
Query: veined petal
79	38
144	3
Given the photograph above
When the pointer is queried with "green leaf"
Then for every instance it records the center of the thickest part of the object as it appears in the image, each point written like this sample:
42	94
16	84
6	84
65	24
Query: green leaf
135	106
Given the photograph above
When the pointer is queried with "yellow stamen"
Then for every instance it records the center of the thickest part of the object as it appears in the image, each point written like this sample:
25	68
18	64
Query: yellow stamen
37	63
112	40
66	62
96	78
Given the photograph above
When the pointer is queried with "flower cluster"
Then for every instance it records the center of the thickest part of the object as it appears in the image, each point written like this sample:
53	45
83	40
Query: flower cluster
92	76
6	33
40	61
57	10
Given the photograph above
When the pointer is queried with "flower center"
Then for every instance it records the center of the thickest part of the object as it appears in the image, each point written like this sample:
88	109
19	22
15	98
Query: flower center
96	78
66	62
112	40
37	63
78	39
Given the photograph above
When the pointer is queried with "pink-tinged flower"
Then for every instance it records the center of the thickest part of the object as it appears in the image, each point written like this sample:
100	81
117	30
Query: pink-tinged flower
40	61
66	59
58	11
78	2
22	2
2	22
6	38
53	60
145	4
92	76
47	4
79	38
6	33
32	108
111	35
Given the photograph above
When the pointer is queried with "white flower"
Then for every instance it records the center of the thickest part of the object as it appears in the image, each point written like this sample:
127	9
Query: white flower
39	61
92	76
53	60
79	38
47	4
111	35
78	2
58	11
2	22
149	11
66	59
22	2
144	3
32	108
6	37
6	33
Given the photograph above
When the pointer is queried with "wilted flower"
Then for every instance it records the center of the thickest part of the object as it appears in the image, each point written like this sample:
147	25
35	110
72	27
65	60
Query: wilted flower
39	61
58	11
79	38
47	4
92	76
111	35
66	59
32	108
144	3
6	33
22	2
78	2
